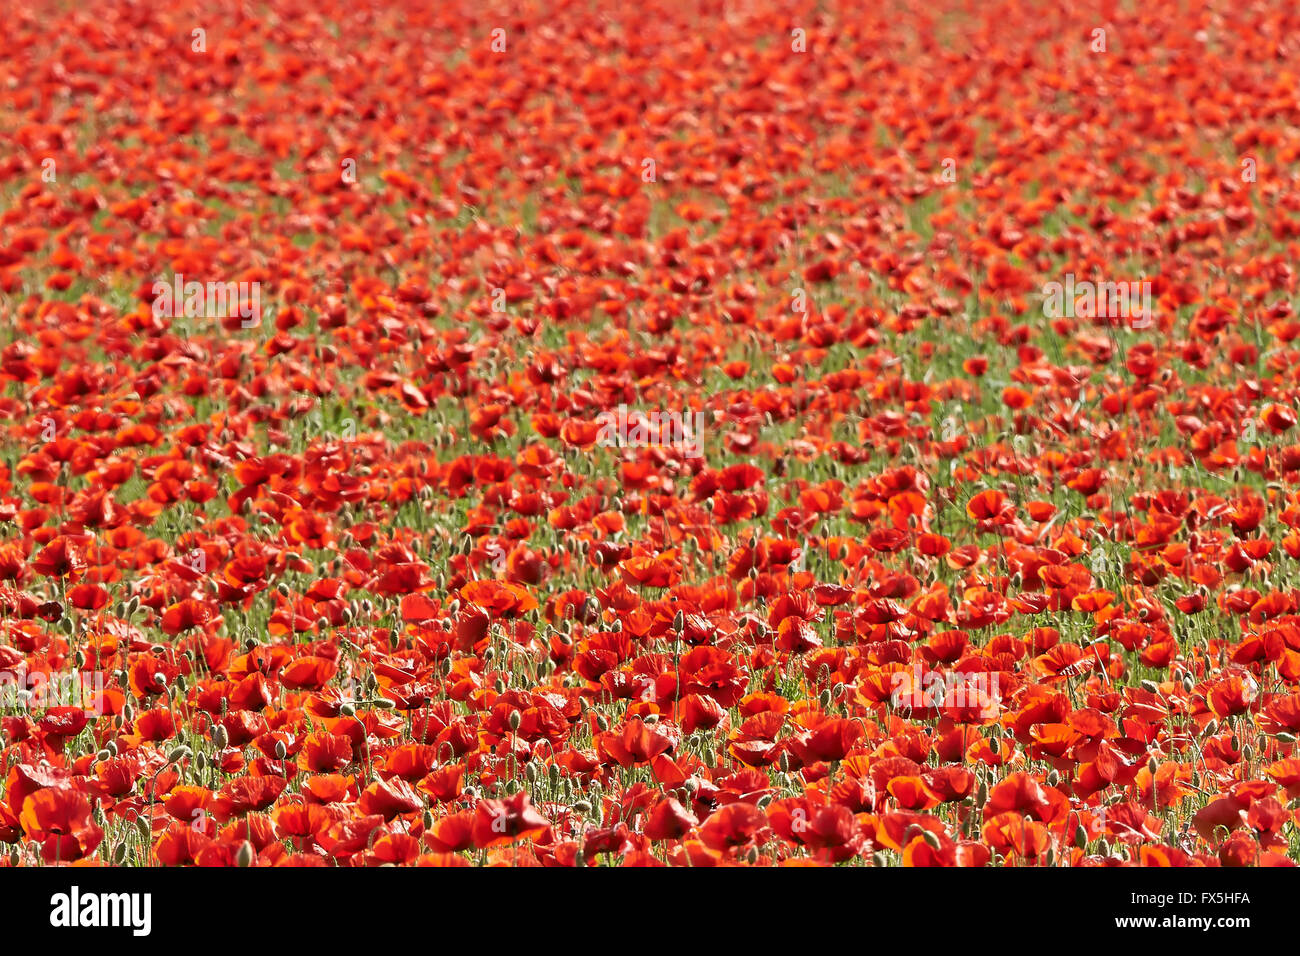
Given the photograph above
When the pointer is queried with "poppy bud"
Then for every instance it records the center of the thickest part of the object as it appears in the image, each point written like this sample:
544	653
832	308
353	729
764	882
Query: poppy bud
281	751
1150	686
111	747
880	858
427	820
1188	684
347	710
679	622
1211	728
119	854
516	719
178	754
245	855
1286	738
824	699
220	738
1153	765
931	838
1236	742
383	703
582	806
1080	836
982	794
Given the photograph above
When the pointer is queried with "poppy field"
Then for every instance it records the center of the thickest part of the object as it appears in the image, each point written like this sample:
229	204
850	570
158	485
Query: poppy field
584	434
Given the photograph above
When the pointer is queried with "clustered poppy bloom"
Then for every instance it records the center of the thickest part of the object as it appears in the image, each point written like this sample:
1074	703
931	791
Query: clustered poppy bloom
887	563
